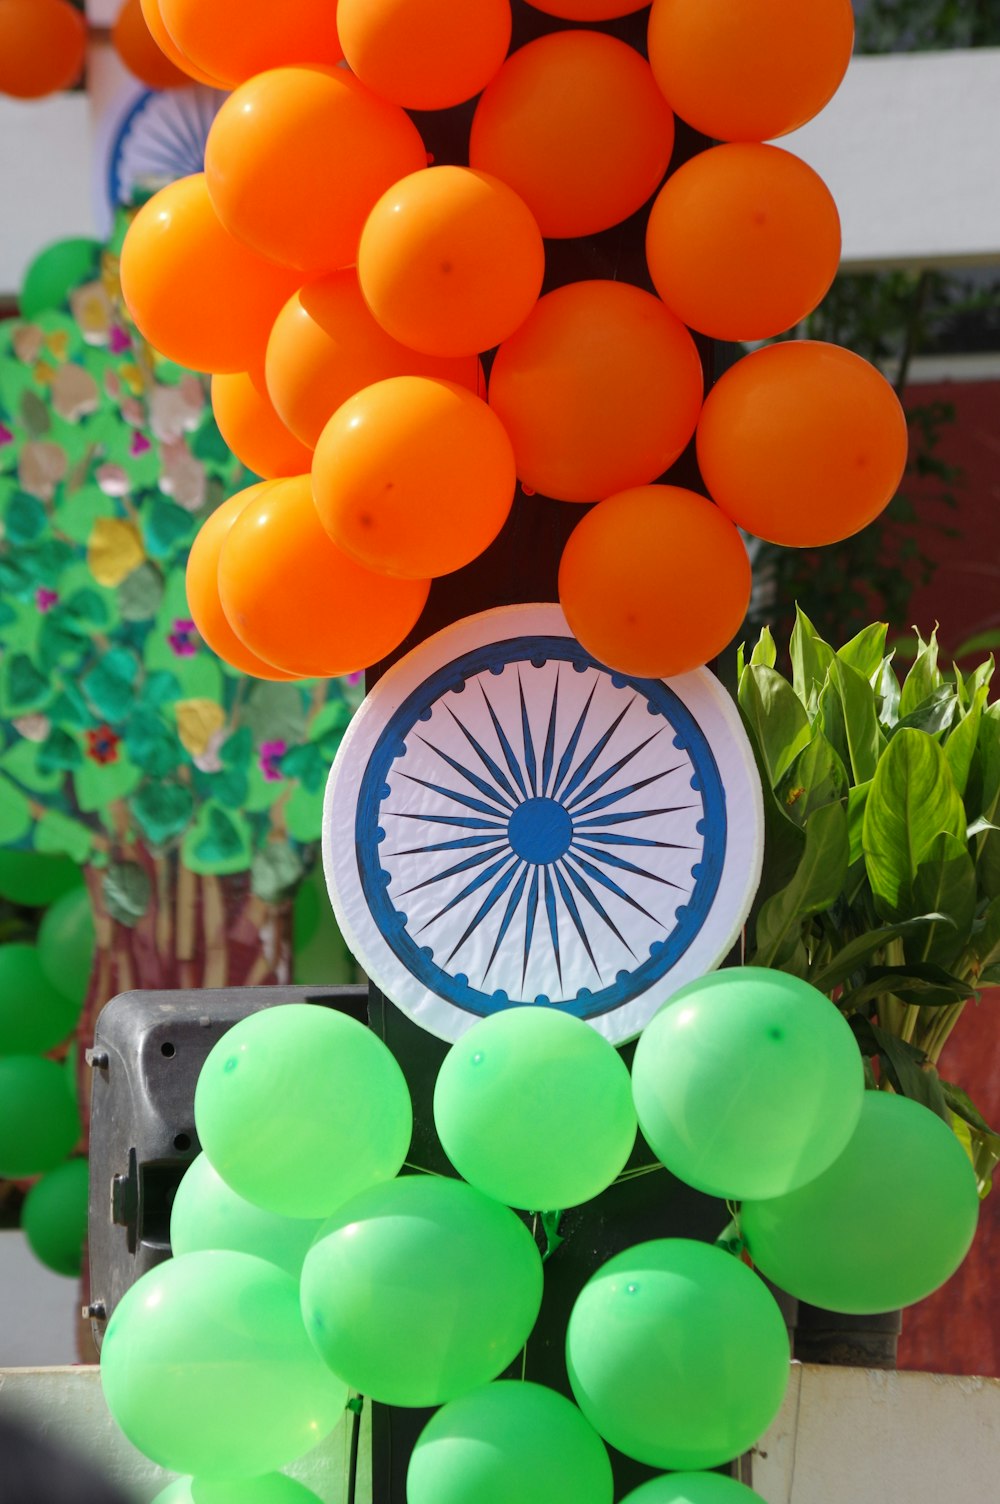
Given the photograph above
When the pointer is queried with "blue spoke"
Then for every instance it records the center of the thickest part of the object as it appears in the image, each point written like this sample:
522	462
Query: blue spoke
453	795
493	767
470	777
462	821
596	784
530	765
550	737
595	903
632	788
508	751
611	885
469	888
466	866
493	897
505	923
566	761
612	840
574	914
633	814
529	922
595	752
553	917
619	862
458	845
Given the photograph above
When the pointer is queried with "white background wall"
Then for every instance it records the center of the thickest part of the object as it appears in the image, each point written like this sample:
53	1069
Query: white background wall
37	1308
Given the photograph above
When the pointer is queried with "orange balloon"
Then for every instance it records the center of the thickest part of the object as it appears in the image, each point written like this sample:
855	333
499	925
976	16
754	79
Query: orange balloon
325	346
588	10
136	46
234	42
743	72
424	54
161	36
42	47
654	581
298	157
199	296
802	443
599	389
743	241
413	477
202	582
575	124
450	261
252	429
298	600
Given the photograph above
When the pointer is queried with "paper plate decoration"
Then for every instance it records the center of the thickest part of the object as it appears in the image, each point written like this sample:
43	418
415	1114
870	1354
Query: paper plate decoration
160	137
529	827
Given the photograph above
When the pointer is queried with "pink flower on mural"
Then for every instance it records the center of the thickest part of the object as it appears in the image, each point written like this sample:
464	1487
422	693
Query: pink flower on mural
45	599
182	639
270	754
139	445
119	340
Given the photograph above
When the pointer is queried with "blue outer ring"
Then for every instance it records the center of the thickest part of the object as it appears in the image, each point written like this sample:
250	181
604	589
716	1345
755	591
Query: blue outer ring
707	872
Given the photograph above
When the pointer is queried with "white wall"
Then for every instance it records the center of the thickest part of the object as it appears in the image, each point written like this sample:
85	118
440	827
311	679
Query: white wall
38	1309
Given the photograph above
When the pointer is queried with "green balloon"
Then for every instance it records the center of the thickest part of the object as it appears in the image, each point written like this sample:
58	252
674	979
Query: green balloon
272	1488
748	1083
320	956
55	272
692	1488
34	880
534	1108
206	1213
299	1107
39	1121
677	1354
884	1226
207	1368
509	1441
66	944
54	1217
34	1016
420	1289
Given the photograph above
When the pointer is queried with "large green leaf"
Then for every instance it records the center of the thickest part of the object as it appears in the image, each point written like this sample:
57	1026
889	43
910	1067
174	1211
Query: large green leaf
960	746
988	844
816	777
985	942
852	956
981	1143
912	800
945	883
933	715
865	651
887	694
924	677
857	800
811	659
847	714
777	715
764	651
784	841
817	882
919	982
903	1064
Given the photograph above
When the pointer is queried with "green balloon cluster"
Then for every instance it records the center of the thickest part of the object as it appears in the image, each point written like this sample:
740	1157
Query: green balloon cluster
677	1354
66	944
206	1213
320	956
534	1108
54	1217
34	880
207	1368
884	1226
39	1121
299	1107
272	1488
692	1488
55	272
421	1289
509	1441
34	1015
748	1083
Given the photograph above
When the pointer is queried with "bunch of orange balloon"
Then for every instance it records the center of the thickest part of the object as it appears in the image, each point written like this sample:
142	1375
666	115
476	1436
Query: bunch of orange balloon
341	289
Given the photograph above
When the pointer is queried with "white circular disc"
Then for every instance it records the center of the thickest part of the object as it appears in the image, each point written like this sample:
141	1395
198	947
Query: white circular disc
508	822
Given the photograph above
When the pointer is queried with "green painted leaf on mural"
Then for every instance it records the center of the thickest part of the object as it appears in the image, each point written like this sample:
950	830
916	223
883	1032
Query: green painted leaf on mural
127	890
162	810
60	835
218	842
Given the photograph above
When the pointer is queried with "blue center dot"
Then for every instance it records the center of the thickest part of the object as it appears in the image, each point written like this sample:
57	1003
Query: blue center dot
540	831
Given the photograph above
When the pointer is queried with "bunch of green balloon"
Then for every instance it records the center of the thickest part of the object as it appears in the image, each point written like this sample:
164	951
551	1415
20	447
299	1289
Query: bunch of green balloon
748	1083
35	1016
39	1121
272	1488
677	1354
54	1217
207	1368
299	1108
510	1440
206	1213
66	943
34	880
534	1108
691	1488
421	1289
884	1226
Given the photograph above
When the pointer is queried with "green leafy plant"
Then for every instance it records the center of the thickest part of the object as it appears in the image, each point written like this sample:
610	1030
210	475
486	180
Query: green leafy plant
881	880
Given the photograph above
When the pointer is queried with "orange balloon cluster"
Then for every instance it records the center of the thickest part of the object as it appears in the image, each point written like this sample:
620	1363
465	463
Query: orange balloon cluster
343	289
42	46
